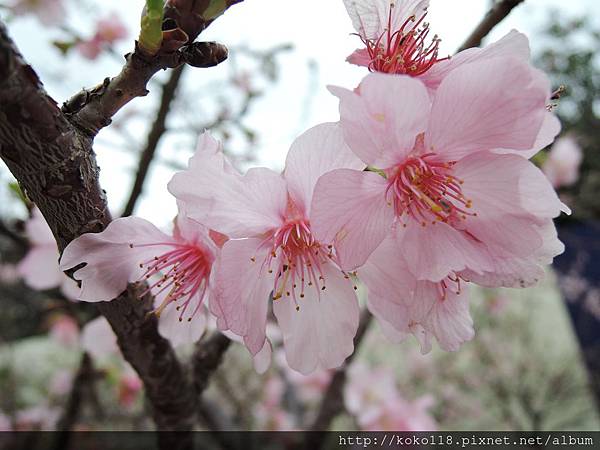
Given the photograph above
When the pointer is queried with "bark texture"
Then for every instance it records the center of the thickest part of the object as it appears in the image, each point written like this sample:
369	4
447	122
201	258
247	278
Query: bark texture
55	165
49	150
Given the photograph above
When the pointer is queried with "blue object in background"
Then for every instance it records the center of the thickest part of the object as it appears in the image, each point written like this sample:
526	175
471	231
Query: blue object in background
578	272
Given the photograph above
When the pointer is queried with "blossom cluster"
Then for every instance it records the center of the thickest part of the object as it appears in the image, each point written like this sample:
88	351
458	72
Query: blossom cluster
422	187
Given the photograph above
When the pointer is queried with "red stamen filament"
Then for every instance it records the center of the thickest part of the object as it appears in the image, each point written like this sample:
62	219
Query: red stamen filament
184	271
425	189
446	284
404	51
296	259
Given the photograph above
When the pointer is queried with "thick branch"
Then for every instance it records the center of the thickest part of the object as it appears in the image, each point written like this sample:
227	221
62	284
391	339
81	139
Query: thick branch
207	358
55	165
333	400
156	132
493	17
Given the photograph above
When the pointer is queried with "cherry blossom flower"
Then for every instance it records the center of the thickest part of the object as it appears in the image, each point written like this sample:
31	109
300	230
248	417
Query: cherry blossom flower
39	268
109	30
458	204
562	165
130	249
394	34
372	396
404	305
272	251
453	208
49	12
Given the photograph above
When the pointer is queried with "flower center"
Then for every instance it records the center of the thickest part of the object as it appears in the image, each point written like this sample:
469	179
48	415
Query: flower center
424	188
404	51
183	271
296	259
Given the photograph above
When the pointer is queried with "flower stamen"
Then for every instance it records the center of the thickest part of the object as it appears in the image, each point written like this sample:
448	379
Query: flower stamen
184	271
424	188
404	51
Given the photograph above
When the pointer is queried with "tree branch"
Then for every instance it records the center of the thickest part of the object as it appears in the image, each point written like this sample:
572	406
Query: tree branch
84	375
55	165
207	358
156	132
493	17
333	399
90	110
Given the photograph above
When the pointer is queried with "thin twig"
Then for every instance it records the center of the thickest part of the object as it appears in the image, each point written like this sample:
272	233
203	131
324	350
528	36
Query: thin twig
50	152
493	17
74	404
333	401
205	361
156	133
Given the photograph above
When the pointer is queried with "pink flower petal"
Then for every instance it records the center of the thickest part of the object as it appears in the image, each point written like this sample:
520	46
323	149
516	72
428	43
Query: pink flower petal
498	103
513	44
262	360
507	184
521	272
218	197
450	321
181	330
69	288
550	128
316	152
380	125
349	208
187	230
370	18
359	57
320	334
410	306
241	296
110	261
435	250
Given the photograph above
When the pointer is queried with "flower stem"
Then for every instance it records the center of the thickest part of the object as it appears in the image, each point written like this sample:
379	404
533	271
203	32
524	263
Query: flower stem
151	27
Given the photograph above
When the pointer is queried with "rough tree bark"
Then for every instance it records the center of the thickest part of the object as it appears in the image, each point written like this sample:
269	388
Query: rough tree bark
55	165
49	151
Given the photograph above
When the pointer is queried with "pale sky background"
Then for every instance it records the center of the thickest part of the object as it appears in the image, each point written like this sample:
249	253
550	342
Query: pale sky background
318	29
